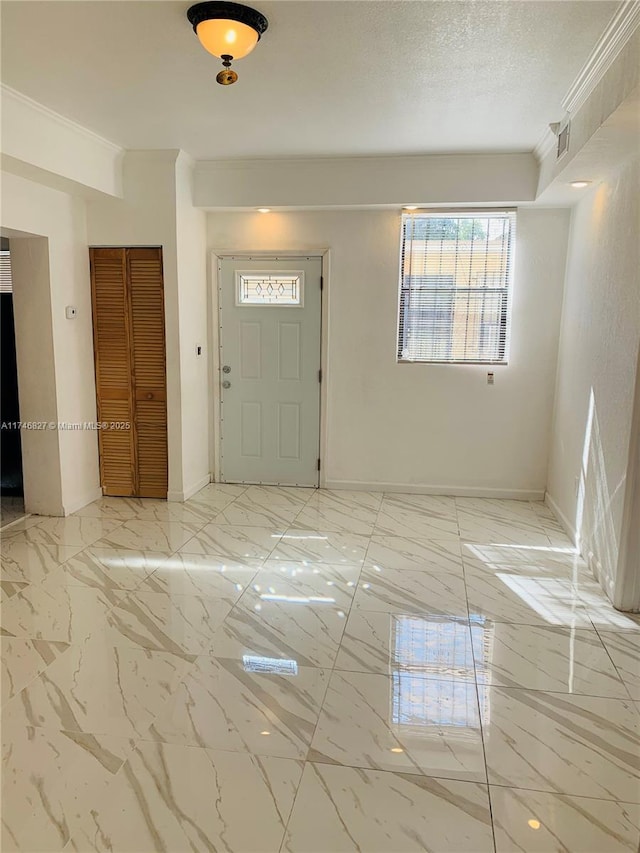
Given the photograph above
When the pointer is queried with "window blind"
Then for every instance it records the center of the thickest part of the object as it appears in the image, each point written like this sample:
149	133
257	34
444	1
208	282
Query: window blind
6	285
455	283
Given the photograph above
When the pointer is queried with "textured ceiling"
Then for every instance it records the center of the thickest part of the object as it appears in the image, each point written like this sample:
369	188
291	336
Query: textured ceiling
328	78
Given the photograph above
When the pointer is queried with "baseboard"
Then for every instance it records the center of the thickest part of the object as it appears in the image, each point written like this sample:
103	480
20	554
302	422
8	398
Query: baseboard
89	498
569	528
454	491
180	497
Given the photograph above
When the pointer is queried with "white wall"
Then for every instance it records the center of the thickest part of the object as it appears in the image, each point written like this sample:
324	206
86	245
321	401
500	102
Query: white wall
146	216
55	355
597	369
156	211
627	589
192	293
430	427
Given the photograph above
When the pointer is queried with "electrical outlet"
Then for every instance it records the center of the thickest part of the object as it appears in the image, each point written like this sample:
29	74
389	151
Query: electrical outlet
490	379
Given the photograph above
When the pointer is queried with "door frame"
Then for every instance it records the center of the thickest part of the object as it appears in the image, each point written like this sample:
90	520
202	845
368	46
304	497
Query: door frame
215	374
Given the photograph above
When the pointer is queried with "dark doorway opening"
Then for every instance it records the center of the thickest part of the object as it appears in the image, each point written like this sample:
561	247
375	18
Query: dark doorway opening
10	443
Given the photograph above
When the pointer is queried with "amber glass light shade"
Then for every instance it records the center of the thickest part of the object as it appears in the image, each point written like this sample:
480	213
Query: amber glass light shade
223	37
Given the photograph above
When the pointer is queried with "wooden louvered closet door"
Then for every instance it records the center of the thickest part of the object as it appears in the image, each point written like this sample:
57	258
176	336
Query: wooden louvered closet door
129	343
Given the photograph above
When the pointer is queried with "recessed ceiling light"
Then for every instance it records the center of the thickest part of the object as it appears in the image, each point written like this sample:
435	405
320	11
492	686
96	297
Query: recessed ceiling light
397	749
579	185
411	207
264	210
534	824
265	733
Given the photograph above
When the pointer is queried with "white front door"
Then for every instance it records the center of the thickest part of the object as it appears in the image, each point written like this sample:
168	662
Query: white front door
270	313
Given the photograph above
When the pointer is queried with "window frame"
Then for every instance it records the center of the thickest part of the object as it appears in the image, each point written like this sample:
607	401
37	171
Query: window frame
505	311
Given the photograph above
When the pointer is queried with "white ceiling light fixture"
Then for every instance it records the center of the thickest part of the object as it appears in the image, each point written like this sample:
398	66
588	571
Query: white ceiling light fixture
580	185
264	210
227	30
411	207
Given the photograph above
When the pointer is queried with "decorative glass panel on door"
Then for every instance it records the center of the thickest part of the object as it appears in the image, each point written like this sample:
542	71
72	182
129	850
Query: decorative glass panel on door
269	288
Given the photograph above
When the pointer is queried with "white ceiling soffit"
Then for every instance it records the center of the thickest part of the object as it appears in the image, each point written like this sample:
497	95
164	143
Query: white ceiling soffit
332	78
615	141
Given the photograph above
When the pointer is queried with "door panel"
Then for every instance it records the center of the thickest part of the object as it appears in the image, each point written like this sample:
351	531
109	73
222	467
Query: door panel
111	342
129	344
289	431
289	351
250	350
149	370
270	314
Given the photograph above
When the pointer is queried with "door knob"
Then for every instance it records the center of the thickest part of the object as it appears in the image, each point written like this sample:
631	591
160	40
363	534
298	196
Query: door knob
149	396
226	369
226	384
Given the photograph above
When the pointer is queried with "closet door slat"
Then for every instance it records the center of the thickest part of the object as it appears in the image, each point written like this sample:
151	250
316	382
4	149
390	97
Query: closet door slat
149	369
112	352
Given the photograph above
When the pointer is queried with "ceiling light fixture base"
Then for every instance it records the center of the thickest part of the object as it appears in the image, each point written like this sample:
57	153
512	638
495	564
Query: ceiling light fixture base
217	11
227	76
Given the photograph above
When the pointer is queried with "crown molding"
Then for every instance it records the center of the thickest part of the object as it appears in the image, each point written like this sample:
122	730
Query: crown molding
618	32
12	94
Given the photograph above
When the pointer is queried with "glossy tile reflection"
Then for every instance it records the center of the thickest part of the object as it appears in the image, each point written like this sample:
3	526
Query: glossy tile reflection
266	669
234	705
275	629
434	646
402	722
579	745
565	660
534	822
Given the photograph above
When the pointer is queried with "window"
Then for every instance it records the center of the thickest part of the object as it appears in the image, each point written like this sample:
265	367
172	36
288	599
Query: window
455	282
6	285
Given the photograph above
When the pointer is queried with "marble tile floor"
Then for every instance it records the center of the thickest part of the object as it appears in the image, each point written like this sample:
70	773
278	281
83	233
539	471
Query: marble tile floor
275	669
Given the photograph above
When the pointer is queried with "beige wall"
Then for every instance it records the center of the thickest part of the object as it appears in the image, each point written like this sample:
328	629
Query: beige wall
55	355
146	217
597	368
192	279
156	211
56	365
428	427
